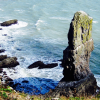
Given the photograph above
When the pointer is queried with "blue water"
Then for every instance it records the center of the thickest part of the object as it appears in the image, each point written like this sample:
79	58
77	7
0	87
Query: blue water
41	34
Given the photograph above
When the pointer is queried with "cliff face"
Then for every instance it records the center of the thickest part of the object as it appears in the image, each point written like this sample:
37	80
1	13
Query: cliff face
76	56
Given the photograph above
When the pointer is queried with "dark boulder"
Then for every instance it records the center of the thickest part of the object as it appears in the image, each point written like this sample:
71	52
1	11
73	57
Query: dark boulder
2	50
8	80
1	70
36	64
15	85
48	66
10	22
25	81
0	28
2	57
9	62
41	65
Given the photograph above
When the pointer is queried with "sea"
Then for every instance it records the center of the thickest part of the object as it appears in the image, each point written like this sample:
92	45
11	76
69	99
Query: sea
41	35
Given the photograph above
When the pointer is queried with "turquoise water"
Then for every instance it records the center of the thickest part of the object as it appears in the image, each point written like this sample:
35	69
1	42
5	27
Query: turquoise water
41	34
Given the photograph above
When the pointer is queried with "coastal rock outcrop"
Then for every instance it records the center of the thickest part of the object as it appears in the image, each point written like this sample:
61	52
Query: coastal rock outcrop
2	57
10	22
41	65
76	56
78	79
9	62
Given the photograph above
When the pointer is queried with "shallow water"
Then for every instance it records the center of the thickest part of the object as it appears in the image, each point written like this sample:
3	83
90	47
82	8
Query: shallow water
41	34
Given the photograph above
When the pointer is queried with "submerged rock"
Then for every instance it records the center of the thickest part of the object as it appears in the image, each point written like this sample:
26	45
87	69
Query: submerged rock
41	65
25	81
10	22
9	62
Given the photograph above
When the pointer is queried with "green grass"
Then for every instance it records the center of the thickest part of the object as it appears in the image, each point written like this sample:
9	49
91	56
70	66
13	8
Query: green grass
6	93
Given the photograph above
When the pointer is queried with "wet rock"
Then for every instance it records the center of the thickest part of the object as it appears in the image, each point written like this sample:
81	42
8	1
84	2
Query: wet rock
10	22
2	50
9	62
25	81
41	65
1	70
2	57
4	73
48	66
84	87
11	83
7	79
36	64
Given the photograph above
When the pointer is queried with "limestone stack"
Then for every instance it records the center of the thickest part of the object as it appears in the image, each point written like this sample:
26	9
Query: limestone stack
78	79
76	56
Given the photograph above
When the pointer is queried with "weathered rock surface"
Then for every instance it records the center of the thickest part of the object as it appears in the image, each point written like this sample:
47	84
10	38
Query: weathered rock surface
9	62
76	55
41	65
10	22
78	79
2	57
84	87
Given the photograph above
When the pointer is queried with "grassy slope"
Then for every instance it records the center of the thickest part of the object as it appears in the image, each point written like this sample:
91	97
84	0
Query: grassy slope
7	93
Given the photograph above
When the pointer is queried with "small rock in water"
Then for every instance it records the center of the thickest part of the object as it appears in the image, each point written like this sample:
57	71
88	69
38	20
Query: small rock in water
2	50
25	81
4	35
49	66
10	22
9	62
41	65
36	64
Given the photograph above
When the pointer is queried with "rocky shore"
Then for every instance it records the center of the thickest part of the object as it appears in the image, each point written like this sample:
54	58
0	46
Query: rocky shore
78	79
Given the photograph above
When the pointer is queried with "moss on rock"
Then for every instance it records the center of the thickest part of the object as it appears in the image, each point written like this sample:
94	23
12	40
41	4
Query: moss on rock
80	30
10	22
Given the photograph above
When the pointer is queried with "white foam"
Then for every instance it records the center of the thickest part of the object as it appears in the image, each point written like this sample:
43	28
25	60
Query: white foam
60	18
1	10
97	79
93	10
39	24
95	22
